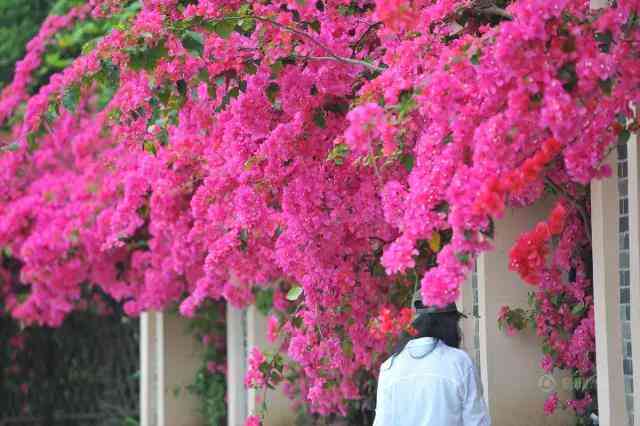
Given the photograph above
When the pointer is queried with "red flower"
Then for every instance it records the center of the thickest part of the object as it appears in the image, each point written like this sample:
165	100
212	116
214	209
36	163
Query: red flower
491	199
527	256
557	219
551	147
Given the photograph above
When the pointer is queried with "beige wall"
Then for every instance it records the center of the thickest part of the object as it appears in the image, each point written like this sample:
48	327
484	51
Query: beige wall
182	359
170	358
513	382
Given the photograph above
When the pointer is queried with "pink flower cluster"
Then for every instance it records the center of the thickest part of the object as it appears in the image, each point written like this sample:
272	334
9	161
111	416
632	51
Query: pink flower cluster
253	421
255	377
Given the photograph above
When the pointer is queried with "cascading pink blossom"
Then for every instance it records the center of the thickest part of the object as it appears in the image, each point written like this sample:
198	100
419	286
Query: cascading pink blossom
346	149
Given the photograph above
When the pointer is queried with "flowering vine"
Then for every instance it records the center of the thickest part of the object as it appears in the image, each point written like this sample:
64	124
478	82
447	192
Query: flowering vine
335	152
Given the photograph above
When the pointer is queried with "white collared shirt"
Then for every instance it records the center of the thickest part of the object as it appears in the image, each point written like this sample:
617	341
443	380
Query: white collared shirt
429	384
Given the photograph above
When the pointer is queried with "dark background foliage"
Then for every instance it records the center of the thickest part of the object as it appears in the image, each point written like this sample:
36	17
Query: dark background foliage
19	22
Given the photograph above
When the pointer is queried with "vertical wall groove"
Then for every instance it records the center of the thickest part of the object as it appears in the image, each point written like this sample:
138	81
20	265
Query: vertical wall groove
624	278
634	264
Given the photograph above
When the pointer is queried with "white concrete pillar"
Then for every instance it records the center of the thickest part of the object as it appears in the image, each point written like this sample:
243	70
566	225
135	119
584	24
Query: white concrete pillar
634	255
148	369
604	230
169	360
237	408
514	384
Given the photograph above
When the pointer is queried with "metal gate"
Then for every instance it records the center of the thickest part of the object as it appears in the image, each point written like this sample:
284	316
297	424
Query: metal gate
82	373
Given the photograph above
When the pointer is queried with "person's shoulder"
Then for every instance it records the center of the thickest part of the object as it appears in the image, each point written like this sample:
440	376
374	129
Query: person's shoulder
458	356
385	365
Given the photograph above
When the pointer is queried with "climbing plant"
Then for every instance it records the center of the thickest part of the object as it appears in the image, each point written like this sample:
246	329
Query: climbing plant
340	153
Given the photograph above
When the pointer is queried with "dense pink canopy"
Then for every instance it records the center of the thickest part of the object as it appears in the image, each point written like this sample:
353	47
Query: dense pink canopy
349	148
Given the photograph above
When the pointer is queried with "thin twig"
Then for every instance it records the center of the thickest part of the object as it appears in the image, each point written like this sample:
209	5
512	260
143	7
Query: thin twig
489	7
381	240
331	56
341	59
493	11
362	37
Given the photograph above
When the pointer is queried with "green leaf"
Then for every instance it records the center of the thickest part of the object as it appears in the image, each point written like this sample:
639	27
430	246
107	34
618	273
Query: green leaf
463	257
225	27
181	85
604	40
623	136
435	242
90	45
407	103
264	300
568	75
194	42
340	108
247	24
442	207
243	236
577	383
245	9
531	298
319	119
347	348
277	67
578	309
475	58
272	91
408	161
54	60
176	391
315	26
130	421
32	141
141	58
71	97
150	147
14	146
338	153
294	293
250	67
606	86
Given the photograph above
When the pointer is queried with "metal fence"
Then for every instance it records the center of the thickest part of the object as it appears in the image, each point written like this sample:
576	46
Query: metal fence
82	373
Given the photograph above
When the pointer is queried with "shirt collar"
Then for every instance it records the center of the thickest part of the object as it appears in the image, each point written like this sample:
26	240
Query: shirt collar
421	341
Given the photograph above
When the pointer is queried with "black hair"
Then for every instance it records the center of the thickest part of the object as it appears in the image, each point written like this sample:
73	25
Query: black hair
442	326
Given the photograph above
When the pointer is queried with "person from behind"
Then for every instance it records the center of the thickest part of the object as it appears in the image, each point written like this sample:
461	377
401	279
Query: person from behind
428	380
